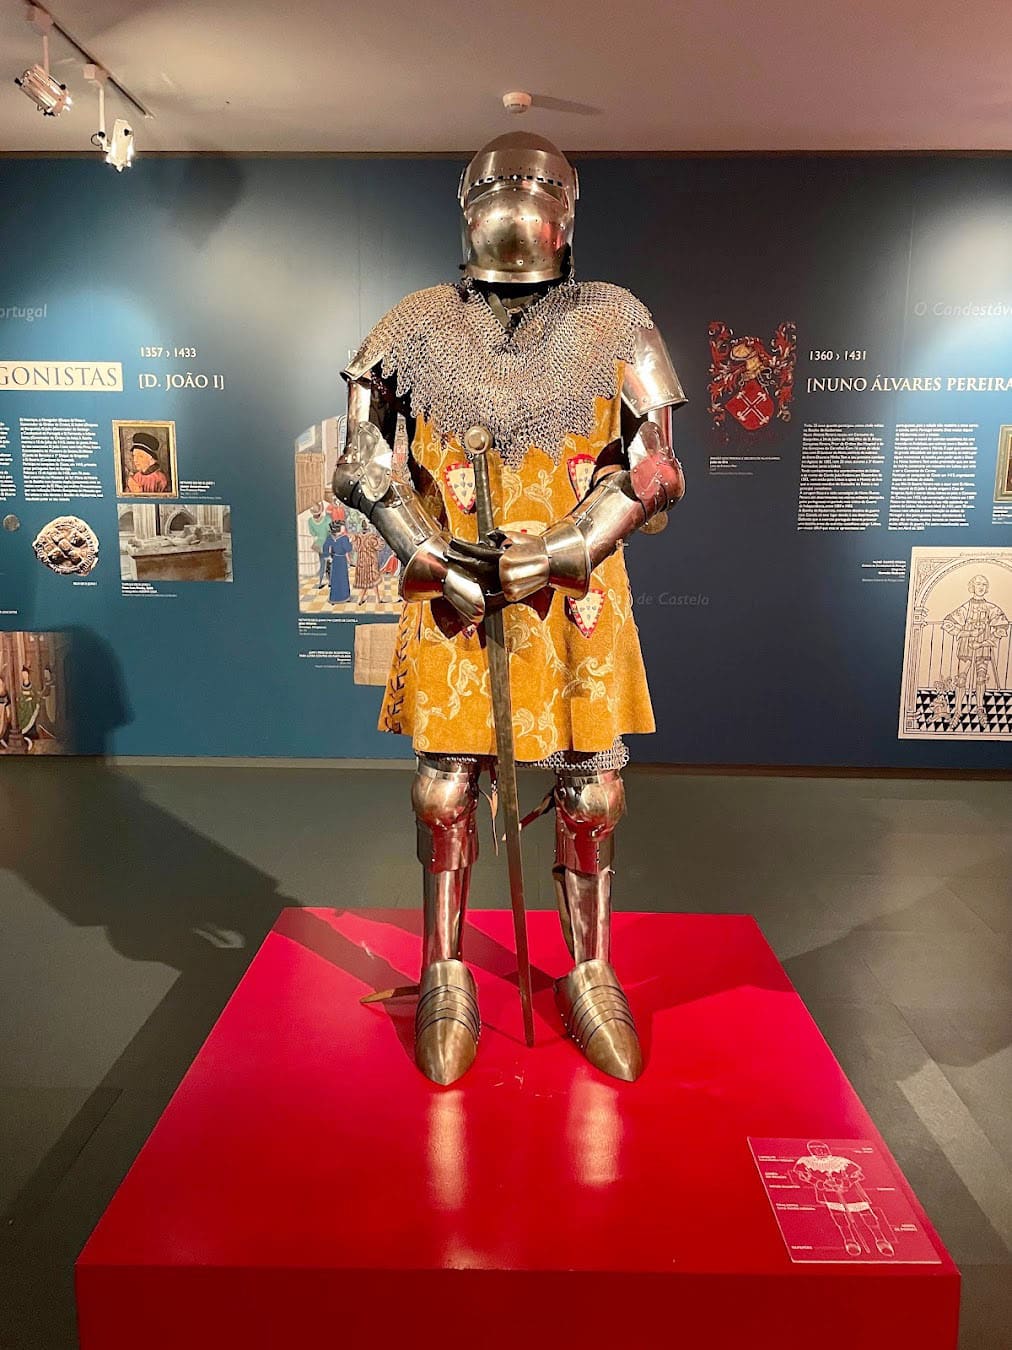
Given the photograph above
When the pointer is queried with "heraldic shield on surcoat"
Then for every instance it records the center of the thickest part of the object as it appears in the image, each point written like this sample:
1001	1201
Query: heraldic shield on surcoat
539	417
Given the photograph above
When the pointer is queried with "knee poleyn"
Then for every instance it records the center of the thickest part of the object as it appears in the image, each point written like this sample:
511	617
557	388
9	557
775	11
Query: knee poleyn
587	809
445	804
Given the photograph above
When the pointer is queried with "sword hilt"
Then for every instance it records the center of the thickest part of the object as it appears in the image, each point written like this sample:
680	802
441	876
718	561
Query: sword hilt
477	443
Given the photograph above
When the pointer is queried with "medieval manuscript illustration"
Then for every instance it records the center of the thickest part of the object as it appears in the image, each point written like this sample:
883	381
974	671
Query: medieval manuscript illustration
344	565
33	694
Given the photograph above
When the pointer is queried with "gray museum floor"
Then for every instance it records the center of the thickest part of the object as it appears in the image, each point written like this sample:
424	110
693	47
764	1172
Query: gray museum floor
133	898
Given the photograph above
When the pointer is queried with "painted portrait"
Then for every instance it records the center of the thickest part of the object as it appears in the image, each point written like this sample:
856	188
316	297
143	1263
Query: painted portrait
1003	475
145	459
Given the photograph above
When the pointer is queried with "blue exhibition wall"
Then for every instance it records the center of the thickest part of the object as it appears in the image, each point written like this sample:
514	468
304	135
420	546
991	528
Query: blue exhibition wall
843	327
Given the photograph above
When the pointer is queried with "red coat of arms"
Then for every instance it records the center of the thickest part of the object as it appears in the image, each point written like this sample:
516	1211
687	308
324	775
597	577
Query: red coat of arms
581	471
459	480
586	612
750	380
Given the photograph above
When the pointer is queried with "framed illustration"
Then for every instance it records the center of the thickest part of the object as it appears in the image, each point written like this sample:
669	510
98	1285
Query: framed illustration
145	459
957	663
1003	473
174	541
33	694
344	566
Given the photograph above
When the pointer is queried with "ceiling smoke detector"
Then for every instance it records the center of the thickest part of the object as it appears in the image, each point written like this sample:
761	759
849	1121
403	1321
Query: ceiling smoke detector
518	102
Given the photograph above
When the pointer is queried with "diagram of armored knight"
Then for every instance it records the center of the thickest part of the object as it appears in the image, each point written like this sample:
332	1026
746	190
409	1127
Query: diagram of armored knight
837	1184
841	1200
957	667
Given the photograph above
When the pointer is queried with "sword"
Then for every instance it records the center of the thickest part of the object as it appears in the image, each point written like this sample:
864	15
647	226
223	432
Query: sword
478	441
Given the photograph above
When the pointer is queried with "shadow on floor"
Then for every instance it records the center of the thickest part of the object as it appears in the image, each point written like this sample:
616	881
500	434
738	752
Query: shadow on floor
83	837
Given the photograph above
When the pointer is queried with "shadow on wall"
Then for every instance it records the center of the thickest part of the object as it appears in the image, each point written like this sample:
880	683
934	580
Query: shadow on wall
96	696
209	188
19	571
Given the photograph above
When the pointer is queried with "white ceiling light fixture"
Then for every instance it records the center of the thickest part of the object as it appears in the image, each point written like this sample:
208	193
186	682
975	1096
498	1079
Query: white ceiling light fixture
48	94
119	147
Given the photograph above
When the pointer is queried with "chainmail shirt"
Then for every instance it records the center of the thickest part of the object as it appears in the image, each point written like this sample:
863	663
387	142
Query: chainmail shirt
531	385
559	761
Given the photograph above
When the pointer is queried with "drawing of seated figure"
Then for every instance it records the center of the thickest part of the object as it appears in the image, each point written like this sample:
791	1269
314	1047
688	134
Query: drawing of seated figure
941	708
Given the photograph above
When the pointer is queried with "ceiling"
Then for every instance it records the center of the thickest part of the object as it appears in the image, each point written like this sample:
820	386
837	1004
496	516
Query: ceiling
648	75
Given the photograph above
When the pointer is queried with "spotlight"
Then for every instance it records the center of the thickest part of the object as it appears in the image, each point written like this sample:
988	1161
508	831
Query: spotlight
48	95
121	145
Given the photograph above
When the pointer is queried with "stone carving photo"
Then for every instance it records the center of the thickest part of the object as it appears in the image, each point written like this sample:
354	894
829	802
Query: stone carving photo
174	541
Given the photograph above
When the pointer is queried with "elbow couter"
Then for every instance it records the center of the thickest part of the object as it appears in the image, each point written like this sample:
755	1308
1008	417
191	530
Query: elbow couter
344	483
658	482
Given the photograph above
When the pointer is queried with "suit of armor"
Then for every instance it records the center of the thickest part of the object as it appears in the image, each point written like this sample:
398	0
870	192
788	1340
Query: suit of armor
575	384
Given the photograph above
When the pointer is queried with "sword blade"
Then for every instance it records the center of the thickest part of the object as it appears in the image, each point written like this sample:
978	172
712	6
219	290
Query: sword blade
506	775
502	719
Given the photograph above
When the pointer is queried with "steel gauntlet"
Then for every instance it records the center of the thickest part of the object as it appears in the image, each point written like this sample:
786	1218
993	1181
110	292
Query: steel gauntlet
364	478
619	503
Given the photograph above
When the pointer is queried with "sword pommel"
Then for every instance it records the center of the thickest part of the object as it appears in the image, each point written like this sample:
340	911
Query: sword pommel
477	440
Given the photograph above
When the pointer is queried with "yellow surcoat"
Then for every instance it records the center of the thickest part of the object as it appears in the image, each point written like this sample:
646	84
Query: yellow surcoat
576	671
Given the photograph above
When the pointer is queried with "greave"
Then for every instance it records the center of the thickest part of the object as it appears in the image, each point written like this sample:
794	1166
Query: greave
593	1004
447	1024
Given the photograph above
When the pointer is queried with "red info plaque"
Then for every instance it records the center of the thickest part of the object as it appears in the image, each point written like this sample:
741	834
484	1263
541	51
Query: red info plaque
838	1200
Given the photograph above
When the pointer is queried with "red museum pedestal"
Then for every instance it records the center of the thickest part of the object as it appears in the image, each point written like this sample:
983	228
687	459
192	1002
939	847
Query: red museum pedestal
307	1187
